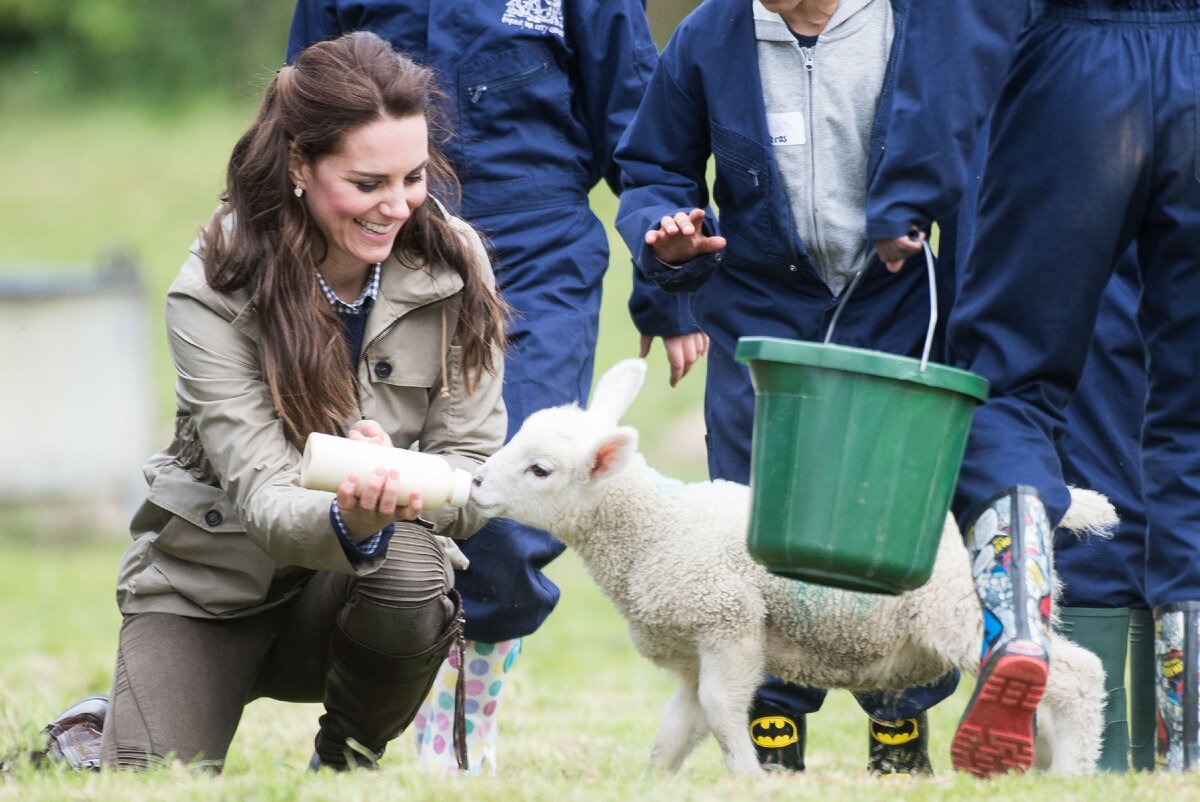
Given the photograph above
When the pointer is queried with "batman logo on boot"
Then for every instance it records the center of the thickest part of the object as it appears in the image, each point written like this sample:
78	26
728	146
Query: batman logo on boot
778	738
899	748
773	732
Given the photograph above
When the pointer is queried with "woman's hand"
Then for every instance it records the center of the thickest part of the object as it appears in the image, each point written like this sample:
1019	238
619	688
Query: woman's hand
680	238
371	432
380	503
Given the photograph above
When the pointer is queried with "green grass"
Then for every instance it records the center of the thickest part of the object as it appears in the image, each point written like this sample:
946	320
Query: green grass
577	720
581	708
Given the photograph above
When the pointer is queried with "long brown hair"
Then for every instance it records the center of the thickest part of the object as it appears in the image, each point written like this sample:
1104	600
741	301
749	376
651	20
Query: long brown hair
273	248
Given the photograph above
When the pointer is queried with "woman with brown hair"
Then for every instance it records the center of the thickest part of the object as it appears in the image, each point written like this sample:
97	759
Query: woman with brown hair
330	293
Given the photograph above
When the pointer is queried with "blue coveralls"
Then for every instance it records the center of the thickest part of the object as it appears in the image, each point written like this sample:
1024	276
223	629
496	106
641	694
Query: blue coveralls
1099	444
705	98
1099	451
539	94
1094	146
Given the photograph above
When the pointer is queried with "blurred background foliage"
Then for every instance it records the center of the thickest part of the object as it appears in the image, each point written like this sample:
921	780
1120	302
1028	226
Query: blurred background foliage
116	122
154	52
162	52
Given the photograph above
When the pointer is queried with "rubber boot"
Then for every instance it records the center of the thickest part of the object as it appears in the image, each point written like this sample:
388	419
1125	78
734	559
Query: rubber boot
487	665
1176	655
371	696
778	738
899	748
1142	712
1009	547
1105	632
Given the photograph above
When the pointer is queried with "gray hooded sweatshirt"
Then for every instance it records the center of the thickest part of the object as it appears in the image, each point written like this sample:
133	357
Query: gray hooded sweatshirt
820	105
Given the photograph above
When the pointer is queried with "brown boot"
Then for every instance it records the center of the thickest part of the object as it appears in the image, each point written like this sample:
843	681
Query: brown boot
370	696
73	738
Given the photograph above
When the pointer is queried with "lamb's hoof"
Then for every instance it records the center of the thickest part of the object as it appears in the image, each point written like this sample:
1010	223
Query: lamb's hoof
996	731
899	748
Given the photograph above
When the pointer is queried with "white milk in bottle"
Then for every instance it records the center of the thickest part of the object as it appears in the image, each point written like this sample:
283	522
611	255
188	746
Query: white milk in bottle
328	459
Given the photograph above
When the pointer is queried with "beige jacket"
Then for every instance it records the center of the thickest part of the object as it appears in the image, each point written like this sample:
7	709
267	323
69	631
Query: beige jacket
226	529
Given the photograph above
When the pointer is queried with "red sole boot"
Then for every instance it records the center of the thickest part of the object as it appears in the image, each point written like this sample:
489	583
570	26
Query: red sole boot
997	730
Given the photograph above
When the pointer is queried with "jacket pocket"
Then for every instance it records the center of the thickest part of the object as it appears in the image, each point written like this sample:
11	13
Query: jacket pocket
202	551
742	190
409	355
221	572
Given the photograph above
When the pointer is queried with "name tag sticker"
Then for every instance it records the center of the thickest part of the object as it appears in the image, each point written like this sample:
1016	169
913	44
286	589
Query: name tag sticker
786	128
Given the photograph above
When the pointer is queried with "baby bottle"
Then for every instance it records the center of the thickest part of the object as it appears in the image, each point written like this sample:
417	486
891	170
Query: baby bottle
328	459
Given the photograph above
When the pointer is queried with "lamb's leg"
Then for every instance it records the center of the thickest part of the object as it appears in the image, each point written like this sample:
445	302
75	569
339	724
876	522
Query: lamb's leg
730	672
1071	714
681	727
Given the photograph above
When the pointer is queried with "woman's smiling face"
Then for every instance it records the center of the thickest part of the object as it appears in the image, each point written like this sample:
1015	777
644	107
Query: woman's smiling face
362	194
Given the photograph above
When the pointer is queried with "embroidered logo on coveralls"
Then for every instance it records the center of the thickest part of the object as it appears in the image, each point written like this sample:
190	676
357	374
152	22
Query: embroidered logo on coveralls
544	16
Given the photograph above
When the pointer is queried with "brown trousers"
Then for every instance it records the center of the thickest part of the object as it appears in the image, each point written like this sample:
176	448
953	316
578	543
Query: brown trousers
180	684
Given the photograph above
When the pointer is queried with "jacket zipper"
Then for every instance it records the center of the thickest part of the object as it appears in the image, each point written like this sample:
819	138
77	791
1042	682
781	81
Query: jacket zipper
477	91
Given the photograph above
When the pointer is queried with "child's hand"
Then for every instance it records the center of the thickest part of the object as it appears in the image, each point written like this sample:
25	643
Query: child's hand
682	352
895	252
681	238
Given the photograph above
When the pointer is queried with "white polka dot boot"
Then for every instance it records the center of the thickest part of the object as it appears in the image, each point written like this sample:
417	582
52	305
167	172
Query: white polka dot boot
484	674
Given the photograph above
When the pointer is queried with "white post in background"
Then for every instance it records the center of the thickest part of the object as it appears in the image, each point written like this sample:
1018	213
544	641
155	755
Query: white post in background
76	406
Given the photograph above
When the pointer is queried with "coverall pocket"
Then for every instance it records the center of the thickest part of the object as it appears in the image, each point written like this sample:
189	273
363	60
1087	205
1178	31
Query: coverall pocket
743	190
511	103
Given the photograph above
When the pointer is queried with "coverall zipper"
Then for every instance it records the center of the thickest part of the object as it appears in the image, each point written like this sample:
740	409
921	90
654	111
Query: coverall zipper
477	91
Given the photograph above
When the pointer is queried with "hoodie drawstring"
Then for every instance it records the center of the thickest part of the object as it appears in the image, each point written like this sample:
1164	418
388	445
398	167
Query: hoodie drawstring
445	358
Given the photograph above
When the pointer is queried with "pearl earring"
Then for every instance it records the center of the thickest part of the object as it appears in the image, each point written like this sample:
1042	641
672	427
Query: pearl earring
299	192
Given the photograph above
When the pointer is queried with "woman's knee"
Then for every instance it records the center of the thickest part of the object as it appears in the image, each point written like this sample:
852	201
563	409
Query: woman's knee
414	572
404	606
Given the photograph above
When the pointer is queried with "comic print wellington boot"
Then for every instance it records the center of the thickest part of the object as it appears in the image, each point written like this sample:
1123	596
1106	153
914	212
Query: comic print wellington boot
1009	546
899	748
778	737
1177	665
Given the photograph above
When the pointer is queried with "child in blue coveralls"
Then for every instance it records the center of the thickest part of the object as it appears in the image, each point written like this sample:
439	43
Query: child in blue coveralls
815	113
1093	147
542	89
1102	606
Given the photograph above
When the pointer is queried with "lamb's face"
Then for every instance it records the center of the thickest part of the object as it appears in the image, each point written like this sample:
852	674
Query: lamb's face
534	477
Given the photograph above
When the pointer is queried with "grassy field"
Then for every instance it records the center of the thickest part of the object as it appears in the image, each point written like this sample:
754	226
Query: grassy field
580	713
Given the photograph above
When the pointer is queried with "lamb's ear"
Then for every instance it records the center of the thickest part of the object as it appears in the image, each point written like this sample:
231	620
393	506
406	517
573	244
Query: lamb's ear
612	452
617	388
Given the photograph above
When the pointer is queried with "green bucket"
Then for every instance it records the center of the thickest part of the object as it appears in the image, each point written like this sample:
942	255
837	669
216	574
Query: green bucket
854	461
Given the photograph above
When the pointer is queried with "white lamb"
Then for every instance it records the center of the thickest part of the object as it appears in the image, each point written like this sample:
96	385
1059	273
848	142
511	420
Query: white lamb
672	558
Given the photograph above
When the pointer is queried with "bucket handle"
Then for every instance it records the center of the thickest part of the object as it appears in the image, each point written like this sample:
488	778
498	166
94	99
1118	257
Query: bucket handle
933	314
